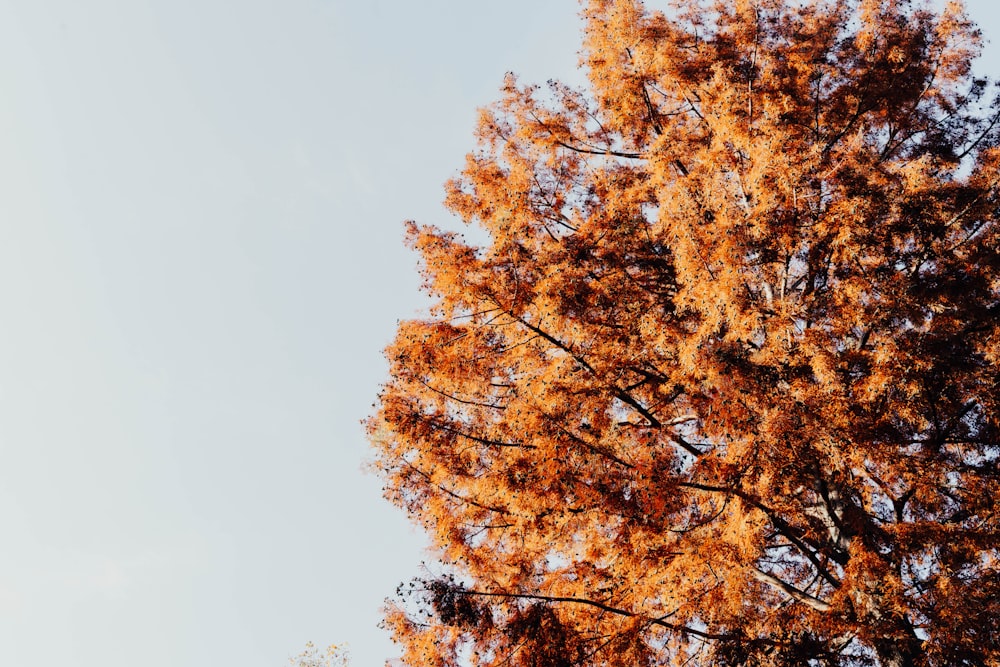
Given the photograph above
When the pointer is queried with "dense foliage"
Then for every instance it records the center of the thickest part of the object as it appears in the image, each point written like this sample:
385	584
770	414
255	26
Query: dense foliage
722	386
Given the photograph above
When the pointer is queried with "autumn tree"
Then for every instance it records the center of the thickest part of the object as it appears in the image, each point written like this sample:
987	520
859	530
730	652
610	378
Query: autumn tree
723	385
333	656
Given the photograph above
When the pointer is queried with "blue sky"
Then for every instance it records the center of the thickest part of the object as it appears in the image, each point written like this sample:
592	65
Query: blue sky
200	262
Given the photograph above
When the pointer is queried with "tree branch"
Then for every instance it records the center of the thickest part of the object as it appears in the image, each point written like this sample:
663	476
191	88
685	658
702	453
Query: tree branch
603	607
801	596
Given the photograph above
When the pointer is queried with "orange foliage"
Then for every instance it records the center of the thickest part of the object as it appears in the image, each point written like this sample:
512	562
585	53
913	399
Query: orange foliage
722	387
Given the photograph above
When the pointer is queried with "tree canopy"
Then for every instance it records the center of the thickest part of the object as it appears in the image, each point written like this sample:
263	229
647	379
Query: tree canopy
722	387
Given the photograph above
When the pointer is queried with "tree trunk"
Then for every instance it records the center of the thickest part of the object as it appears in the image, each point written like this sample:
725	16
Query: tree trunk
897	653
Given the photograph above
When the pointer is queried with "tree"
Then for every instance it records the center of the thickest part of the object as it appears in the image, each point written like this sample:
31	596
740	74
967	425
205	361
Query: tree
333	656
723	386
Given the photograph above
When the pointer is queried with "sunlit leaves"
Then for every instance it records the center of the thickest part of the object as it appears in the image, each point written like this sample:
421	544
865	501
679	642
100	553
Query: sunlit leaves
721	387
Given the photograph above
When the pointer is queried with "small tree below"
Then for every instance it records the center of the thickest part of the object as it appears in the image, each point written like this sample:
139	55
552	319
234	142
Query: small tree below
333	656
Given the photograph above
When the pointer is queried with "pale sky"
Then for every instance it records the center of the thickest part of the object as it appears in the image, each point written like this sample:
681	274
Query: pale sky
200	262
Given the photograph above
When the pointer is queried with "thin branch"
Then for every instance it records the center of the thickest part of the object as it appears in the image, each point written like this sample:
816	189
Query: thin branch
492	406
603	607
483	441
805	547
577	149
468	501
801	596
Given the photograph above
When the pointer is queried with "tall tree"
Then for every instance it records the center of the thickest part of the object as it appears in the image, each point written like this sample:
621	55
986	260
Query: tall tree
723	386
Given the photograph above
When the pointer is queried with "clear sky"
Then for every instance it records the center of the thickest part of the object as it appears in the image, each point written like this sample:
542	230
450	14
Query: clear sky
200	262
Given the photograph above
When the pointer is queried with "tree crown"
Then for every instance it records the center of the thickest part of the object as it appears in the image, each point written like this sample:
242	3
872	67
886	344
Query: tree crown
722	386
